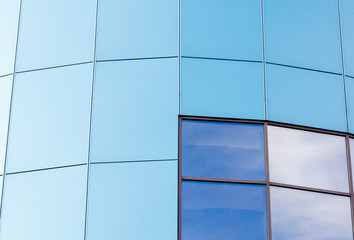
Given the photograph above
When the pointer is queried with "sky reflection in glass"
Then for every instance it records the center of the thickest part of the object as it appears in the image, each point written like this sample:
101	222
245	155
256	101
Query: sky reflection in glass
223	211
299	215
223	150
307	159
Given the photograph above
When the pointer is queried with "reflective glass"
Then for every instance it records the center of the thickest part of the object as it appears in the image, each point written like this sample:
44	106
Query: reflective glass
298	215
347	20
137	28
135	114
9	10
50	118
133	201
306	98
223	150
45	205
351	142
307	159
55	33
5	98
350	102
303	33
223	211
222	29
219	88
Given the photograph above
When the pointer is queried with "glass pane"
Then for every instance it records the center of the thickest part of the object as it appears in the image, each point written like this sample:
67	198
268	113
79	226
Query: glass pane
50	118
45	205
5	98
223	150
219	88
298	215
306	98
9	10
55	33
223	211
347	20
307	159
135	107
350	102
133	201
351	142
137	28
303	33
222	29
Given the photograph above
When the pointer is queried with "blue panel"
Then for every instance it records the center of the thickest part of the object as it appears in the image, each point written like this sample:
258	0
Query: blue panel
222	29
55	33
222	89
45	205
298	215
303	33
9	10
223	150
347	17
133	201
307	159
306	98
50	118
5	98
137	28
350	102
223	211
135	110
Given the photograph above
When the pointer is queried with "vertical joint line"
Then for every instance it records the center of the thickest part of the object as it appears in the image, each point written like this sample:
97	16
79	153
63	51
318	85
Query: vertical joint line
264	63
179	56
10	111
350	179
90	124
179	210
266	158
343	67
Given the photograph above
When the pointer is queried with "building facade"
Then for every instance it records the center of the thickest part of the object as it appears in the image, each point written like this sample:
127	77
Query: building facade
176	119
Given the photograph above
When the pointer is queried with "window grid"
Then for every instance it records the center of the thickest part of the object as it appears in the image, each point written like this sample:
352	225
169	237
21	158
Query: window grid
267	183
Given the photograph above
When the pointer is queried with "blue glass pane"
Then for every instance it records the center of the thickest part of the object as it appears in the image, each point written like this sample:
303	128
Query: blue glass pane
50	118
55	33
306	98
222	89
347	17
298	215
137	28
5	98
135	110
222	29
350	102
9	10
303	33
223	211
133	201
307	159
223	150
45	205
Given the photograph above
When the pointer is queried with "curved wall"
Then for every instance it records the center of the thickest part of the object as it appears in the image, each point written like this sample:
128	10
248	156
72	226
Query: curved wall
91	92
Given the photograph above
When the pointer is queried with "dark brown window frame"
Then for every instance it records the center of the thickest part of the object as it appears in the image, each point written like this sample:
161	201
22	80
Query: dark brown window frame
267	183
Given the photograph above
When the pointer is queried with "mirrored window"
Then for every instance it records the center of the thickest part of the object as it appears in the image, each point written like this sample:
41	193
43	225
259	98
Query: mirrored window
45	205
307	159
223	150
221	29
309	215
303	33
137	29
133	201
219	88
135	114
54	33
5	98
306	98
9	11
50	118
347	21
223	211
